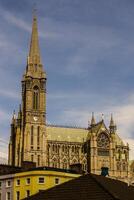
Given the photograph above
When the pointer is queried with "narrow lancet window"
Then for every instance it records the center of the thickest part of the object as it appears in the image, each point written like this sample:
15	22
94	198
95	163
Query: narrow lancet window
38	136
32	136
36	98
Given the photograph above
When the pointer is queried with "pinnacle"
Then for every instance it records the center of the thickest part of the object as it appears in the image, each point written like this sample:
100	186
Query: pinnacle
111	121
93	119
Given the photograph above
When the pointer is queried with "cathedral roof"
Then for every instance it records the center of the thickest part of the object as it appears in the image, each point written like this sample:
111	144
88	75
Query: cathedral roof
66	134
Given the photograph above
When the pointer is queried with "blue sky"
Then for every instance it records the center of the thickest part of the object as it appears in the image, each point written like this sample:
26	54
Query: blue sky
87	49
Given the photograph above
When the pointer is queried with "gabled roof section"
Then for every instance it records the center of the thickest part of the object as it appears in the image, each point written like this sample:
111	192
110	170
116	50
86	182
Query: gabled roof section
100	126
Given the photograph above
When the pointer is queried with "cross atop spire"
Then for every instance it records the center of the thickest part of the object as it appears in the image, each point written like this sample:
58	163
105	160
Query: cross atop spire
34	52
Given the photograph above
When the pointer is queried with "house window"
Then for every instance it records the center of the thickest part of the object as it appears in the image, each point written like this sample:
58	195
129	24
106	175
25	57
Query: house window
41	180
8	184
28	193
57	181
8	196
17	195
28	181
18	182
35	97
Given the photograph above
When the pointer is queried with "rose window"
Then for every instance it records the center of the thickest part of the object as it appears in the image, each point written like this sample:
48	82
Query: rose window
103	141
103	145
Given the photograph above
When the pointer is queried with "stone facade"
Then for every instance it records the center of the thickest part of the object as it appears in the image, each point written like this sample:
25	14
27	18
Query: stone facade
57	146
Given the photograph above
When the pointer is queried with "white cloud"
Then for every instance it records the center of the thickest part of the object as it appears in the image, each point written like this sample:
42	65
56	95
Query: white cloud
20	23
4	115
9	94
3	150
14	20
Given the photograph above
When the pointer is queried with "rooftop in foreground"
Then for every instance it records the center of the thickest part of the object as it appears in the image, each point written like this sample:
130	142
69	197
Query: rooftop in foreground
88	187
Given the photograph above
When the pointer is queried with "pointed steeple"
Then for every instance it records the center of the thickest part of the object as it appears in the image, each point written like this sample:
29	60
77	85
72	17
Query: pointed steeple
93	120
112	125
34	52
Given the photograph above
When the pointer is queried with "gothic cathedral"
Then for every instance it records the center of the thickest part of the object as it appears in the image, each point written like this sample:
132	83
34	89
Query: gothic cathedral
95	147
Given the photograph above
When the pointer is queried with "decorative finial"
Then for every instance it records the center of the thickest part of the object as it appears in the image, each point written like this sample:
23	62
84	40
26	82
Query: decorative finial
111	120
93	120
102	117
112	125
13	117
19	113
14	114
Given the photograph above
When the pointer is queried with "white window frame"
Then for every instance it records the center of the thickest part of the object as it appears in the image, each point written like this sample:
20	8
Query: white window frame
8	181
17	183
27	193
7	196
16	195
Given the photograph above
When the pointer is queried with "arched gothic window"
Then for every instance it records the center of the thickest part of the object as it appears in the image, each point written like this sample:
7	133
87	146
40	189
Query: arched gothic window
54	163
64	164
84	165
35	97
38	136
124	167
38	160
103	144
32	135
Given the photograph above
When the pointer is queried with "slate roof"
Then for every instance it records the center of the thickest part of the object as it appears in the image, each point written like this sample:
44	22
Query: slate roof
88	187
66	134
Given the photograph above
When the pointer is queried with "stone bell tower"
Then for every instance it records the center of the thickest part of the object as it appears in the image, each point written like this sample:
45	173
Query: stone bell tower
28	140
34	141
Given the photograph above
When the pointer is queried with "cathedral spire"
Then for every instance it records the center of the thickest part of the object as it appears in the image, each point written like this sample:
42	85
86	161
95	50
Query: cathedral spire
34	52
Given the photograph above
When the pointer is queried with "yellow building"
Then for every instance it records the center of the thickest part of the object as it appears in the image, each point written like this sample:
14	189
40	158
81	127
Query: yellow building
20	185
